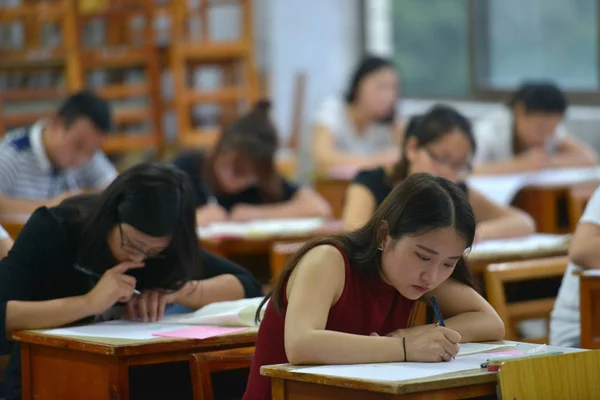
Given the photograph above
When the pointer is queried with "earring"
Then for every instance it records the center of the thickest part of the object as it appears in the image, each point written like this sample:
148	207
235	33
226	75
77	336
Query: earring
380	247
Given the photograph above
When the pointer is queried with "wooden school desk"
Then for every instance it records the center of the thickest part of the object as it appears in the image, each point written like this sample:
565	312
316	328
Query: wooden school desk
289	385
332	185
61	367
589	292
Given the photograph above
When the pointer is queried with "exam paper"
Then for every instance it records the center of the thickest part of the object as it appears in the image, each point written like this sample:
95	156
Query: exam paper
475	348
118	329
235	313
200	332
533	242
278	227
395	372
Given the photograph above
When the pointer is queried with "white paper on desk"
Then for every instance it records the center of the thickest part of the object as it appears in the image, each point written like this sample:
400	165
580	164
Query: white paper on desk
563	176
467	349
591	272
502	189
537	241
237	313
394	372
119	329
277	227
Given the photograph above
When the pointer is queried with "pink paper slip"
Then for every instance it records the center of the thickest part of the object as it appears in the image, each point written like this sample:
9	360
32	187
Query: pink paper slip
199	332
509	352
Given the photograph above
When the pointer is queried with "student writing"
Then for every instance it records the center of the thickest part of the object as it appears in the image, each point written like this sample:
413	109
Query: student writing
529	134
139	234
440	142
238	180
565	321
55	158
360	128
347	298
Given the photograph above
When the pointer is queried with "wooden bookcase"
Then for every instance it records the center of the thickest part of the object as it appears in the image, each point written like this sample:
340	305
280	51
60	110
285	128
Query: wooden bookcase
125	50
232	58
35	75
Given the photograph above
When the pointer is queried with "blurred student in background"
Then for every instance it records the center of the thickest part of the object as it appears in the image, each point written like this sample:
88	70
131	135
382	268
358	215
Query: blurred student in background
529	134
565	321
440	143
55	158
238	180
361	128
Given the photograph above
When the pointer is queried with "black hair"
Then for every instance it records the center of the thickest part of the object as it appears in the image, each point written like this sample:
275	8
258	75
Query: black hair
85	104
368	65
421	203
428	128
92	217
539	97
254	137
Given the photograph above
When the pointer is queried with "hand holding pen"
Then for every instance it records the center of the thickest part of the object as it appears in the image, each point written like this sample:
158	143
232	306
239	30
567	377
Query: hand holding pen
113	286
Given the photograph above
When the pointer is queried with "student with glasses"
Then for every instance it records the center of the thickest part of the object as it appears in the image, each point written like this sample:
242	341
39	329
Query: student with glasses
88	257
440	143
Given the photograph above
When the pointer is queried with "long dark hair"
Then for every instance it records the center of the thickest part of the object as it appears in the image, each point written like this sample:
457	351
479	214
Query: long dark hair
421	203
254	137
92	217
367	66
429	128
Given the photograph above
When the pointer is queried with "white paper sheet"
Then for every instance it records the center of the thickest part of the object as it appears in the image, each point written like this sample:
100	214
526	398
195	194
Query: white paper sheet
279	227
394	372
503	188
119	329
591	272
475	348
533	242
236	313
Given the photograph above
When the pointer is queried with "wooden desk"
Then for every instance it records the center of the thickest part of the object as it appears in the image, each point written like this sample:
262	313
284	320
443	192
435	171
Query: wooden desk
589	292
332	185
261	245
60	367
289	385
478	261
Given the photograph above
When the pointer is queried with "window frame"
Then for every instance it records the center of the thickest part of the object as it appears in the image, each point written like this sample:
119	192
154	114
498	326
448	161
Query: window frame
478	13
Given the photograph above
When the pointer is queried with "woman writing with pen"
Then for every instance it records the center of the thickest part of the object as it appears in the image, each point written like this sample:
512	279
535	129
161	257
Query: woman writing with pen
349	298
238	179
79	261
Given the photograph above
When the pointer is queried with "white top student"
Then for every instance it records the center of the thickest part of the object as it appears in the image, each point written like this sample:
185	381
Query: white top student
44	163
358	129
529	134
565	327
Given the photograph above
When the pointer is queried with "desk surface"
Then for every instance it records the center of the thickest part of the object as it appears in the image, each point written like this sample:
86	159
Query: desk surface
465	378
129	347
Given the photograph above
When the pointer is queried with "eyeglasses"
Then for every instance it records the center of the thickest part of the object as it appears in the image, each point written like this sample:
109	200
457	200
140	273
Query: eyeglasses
134	250
461	169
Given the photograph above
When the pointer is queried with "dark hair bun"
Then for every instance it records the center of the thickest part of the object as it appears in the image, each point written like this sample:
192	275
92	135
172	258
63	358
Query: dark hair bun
263	105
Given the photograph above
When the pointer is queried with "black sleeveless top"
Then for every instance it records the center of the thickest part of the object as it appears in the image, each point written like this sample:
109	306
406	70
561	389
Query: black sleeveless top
376	181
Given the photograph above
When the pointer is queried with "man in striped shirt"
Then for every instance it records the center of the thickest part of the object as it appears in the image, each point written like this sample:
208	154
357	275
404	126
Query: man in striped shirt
56	158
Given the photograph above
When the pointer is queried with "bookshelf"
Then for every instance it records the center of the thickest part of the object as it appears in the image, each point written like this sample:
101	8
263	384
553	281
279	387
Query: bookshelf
213	68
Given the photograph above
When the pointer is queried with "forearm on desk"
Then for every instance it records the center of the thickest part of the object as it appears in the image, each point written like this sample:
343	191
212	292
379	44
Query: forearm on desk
330	347
476	326
585	252
11	205
220	288
509	225
21	315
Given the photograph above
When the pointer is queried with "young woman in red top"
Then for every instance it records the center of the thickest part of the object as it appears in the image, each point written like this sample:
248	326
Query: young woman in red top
348	298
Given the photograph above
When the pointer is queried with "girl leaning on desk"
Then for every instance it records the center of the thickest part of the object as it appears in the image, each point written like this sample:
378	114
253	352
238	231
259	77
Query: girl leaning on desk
349	298
440	142
74	262
238	180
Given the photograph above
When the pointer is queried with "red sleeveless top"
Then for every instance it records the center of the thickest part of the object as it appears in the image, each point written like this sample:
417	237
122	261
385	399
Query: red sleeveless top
367	305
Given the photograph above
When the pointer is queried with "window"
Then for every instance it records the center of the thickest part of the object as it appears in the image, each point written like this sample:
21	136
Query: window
481	49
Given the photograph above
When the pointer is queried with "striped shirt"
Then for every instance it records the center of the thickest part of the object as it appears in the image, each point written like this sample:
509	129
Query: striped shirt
26	171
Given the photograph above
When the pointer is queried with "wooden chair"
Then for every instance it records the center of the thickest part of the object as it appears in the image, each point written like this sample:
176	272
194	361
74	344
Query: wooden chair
578	197
280	253
497	275
203	364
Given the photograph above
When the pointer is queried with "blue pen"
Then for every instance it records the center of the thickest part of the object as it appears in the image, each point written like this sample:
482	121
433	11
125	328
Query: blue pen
436	310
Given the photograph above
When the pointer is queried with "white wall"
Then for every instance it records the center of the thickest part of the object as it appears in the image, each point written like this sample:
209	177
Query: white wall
318	37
